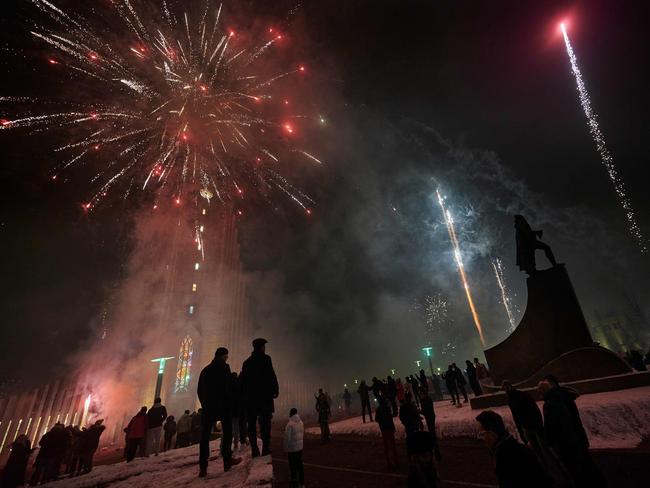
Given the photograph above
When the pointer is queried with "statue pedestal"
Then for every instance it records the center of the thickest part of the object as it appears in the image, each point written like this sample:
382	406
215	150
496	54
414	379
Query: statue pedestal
552	338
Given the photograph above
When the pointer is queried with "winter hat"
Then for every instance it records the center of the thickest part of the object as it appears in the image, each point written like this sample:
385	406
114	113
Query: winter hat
292	412
259	342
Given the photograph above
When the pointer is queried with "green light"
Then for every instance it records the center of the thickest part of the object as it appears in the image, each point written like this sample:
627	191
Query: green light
427	351
161	365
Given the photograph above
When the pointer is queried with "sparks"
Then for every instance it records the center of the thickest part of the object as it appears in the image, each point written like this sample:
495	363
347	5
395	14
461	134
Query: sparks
601	146
497	265
459	263
200	74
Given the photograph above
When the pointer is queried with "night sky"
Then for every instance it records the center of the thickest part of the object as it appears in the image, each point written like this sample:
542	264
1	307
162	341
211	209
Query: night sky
401	83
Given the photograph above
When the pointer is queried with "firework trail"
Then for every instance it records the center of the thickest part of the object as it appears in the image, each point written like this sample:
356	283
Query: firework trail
505	296
180	104
601	146
449	221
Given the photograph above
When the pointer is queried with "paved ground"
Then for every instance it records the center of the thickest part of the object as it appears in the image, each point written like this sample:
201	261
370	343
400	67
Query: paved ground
358	462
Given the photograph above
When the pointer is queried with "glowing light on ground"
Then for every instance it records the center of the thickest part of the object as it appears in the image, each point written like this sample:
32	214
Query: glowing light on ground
601	146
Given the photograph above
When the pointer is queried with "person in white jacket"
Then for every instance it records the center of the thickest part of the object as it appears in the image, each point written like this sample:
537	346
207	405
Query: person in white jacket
293	443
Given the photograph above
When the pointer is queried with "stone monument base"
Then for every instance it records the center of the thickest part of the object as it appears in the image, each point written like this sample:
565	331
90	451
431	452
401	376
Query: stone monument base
498	398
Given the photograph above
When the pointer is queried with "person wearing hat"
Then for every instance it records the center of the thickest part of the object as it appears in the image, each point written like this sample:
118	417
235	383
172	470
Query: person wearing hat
260	386
215	394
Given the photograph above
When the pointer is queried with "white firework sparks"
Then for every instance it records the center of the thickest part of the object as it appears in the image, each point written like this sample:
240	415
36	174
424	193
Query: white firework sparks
505	295
601	146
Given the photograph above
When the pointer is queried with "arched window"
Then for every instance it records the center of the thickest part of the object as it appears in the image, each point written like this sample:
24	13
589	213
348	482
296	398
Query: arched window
184	365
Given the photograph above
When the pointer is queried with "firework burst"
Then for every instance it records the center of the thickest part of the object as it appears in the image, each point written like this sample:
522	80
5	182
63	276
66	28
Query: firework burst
601	146
187	104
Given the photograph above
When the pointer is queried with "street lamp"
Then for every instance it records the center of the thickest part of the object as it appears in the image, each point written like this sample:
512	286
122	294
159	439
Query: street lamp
161	370
418	363
428	354
392	371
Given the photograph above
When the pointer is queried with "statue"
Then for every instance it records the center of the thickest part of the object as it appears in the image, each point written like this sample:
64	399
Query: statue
527	243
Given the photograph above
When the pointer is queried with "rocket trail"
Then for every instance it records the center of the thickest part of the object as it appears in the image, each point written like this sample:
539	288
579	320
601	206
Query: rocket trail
459	263
601	146
505	296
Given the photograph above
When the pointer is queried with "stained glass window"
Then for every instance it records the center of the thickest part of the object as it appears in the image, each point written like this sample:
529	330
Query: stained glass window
184	365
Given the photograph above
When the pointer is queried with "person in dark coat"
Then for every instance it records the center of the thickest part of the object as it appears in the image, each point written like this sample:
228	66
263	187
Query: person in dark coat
88	444
424	384
564	434
473	380
415	389
169	430
195	435
460	381
391	395
215	394
60	442
409	416
377	388
73	457
347	400
155	418
526	414
364	395
437	390
136	433
452	385
384	417
515	465
422	468
324	412
429	414
260	387
13	474
184	430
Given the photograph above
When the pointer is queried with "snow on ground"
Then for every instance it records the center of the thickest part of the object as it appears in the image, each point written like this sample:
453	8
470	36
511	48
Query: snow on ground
175	469
615	419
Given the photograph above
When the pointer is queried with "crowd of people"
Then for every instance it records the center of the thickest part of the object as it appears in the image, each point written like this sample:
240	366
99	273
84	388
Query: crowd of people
554	448
70	446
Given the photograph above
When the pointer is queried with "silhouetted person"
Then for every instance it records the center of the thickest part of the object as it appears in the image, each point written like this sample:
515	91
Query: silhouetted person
293	444
452	385
565	435
526	414
184	430
481	370
527	243
515	465
347	400
169	430
89	443
377	388
155	418
429	414
74	453
424	384
422	467
197	423
409	416
364	396
473	379
13	474
391	394
384	417
323	410
136	433
215	394
435	381
460	381
260	386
